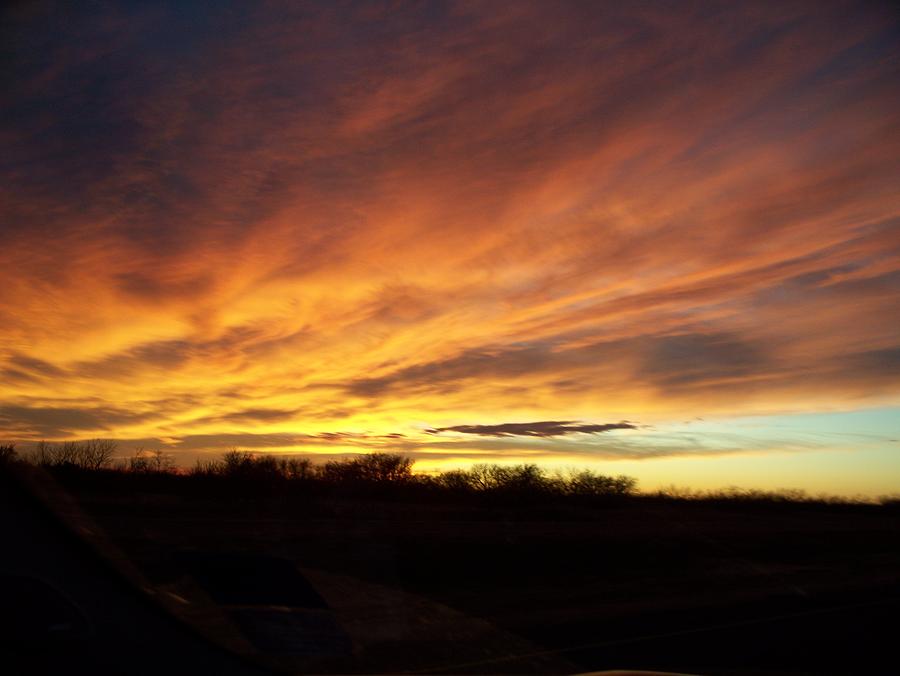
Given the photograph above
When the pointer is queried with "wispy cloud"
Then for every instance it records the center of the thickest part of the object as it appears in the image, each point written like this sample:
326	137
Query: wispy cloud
433	213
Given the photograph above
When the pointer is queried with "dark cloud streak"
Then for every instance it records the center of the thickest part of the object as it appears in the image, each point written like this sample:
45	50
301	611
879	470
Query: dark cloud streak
545	428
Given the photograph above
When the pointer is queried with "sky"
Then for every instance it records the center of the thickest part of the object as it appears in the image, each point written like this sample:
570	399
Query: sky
651	238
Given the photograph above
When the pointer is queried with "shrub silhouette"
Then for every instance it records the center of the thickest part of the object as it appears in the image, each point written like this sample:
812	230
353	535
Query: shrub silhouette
531	479
371	469
485	477
586	483
240	464
456	480
296	469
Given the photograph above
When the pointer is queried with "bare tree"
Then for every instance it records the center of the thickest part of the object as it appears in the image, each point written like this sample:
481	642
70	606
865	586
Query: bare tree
95	453
144	461
42	454
139	463
68	453
7	453
92	454
162	461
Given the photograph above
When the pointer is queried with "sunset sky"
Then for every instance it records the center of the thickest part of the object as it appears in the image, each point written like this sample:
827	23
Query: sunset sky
652	238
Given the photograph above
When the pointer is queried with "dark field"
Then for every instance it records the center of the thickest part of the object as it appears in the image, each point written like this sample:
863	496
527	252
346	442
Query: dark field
409	582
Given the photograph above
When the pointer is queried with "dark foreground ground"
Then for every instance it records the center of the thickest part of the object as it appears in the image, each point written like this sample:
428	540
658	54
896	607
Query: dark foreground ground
372	584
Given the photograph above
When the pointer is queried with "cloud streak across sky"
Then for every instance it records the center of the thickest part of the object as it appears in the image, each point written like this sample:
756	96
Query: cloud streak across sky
383	218
544	428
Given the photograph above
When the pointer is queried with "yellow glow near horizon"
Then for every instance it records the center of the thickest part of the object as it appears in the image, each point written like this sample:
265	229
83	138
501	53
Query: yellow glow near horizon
268	243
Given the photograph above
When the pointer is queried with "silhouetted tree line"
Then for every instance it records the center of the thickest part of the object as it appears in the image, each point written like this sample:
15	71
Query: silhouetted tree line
391	469
240	472
370	473
93	454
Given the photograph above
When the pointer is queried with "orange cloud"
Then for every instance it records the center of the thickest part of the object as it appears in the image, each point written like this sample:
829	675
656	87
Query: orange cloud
299	221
